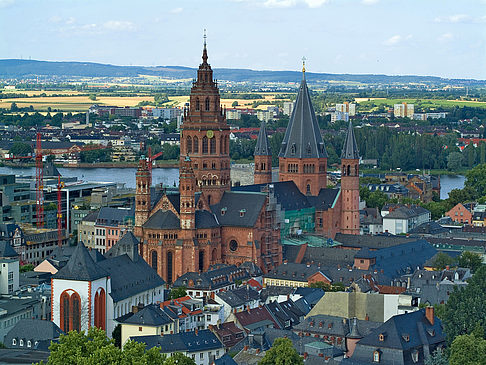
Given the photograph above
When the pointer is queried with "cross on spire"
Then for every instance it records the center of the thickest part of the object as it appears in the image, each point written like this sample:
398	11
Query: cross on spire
205	52
204	36
303	63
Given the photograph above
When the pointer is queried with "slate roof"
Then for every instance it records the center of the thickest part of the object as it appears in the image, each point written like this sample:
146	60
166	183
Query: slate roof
81	267
204	340
413	324
286	193
23	356
125	245
240	209
252	268
292	271
262	147
429	228
325	199
205	219
219	277
34	330
91	217
150	315
229	333
225	360
175	200
163	219
350	148
238	297
6	251
404	212
286	313
311	295
303	138
108	216
372	242
129	277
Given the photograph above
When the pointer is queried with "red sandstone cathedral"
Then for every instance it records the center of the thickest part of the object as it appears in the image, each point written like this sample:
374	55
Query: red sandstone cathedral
206	223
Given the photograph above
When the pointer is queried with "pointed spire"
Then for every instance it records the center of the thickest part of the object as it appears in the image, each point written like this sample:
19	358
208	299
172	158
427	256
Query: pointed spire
350	148
205	51
262	147
303	138
303	67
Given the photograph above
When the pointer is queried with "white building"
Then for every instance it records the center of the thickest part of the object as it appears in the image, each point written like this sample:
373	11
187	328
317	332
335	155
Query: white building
347	108
403	219
288	107
94	290
403	110
9	269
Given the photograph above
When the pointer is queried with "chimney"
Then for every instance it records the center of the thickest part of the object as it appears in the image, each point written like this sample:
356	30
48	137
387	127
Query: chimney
367	318
134	309
429	314
305	355
245	348
257	351
195	331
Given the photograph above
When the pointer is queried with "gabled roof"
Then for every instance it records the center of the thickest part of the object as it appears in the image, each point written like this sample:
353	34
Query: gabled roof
205	219
255	316
81	267
150	315
303	138
239	209
262	147
193	341
128	244
238	297
163	219
325	199
350	148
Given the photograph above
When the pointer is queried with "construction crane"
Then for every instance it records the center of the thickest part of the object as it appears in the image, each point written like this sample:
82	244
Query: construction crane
150	160
60	186
39	182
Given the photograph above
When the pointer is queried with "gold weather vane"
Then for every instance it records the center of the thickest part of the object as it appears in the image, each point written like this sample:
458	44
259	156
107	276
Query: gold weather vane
303	63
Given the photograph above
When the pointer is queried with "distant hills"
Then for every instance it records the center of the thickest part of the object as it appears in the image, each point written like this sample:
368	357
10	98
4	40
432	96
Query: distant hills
18	69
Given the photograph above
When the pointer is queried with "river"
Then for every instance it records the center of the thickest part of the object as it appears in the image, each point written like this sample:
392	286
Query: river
168	176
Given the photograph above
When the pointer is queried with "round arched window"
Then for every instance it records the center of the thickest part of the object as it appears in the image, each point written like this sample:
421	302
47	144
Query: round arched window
233	245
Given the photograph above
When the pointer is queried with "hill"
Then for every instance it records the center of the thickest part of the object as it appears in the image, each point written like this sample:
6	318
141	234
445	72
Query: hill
17	69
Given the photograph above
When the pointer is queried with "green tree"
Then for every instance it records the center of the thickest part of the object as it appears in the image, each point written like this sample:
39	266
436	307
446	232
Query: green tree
471	260
454	161
235	103
177	293
468	350
116	335
476	180
92	97
466	307
282	353
442	260
439	357
25	268
93	348
20	149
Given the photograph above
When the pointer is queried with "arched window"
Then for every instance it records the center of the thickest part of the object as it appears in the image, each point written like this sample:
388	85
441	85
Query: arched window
226	144
221	144
153	258
348	170
189	144
201	260
355	170
65	309
169	267
207	104
196	144
70	311
293	149
197	104
212	144
76	310
308	189
205	145
100	309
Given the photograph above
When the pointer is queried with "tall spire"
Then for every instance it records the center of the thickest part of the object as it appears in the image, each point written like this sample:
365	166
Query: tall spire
303	67
262	147
350	148
205	51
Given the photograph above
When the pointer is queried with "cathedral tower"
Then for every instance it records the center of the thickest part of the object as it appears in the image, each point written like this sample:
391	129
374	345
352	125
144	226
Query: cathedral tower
205	135
350	184
263	158
303	156
187	189
142	196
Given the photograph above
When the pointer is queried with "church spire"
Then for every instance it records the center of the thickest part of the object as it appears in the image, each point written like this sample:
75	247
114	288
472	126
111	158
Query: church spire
350	148
205	51
262	147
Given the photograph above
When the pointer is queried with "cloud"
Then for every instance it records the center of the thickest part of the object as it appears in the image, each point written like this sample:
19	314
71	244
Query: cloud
460	18
5	3
315	3
176	11
369	2
292	3
54	19
396	39
445	37
119	25
70	20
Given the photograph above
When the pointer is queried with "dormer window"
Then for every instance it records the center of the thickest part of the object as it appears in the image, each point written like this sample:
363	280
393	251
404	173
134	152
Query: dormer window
14	342
381	337
223	210
376	356
415	355
406	337
293	149
242	212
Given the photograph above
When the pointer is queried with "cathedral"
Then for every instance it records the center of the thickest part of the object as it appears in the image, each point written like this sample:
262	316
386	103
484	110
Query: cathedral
205	222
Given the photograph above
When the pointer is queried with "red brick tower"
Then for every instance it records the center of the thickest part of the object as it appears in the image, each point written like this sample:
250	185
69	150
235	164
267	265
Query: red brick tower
205	135
263	158
350	184
303	156
142	196
187	189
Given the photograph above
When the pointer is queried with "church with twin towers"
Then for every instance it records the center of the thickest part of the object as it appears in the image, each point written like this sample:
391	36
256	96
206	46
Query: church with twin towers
207	221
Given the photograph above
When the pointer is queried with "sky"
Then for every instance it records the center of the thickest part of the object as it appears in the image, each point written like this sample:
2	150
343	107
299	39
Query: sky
444	38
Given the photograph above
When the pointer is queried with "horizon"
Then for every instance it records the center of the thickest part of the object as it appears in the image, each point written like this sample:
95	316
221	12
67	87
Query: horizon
368	37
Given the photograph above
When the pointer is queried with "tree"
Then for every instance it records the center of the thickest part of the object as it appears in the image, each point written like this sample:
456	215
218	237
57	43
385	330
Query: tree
20	149
454	161
25	268
439	357
96	348
235	103
476	180
282	353
468	349
92	97
179	359
466	307
177	293
471	260
116	335
442	260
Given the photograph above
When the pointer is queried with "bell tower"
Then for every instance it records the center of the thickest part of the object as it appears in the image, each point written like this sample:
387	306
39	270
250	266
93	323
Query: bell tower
142	196
263	158
187	189
205	135
350	184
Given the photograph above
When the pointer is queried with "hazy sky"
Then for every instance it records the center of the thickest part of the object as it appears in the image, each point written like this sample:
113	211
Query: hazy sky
423	37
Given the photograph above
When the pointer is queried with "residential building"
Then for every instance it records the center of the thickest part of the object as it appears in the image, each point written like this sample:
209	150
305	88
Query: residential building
371	221
9	269
288	107
347	107
237	300
402	219
186	312
32	334
403	110
460	214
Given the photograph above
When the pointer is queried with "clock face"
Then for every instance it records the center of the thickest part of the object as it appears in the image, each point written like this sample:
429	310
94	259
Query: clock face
210	134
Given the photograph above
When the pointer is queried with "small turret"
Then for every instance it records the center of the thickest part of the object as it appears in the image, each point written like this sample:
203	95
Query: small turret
263	158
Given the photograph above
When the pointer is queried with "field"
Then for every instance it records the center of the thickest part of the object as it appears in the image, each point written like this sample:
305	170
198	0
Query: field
373	103
70	102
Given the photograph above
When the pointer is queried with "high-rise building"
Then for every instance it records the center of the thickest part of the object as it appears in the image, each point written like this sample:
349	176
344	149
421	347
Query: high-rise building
346	107
403	110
